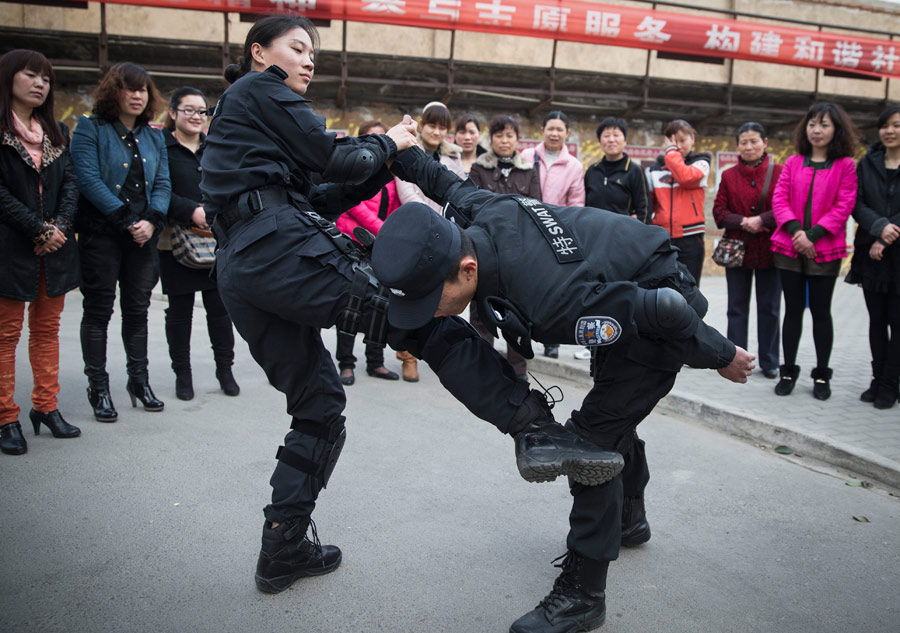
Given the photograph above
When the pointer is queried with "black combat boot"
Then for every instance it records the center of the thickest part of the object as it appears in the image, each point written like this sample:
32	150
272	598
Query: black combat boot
635	529
545	449
577	602
789	374
821	383
287	555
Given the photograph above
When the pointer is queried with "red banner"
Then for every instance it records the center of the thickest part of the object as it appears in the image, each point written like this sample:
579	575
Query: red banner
579	21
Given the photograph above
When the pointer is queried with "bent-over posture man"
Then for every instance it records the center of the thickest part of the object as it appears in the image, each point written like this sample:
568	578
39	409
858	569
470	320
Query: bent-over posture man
579	277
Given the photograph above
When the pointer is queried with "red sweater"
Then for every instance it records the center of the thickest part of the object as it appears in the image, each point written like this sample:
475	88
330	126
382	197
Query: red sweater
737	198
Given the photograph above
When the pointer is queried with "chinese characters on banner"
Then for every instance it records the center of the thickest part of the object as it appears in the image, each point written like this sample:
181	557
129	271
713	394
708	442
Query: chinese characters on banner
579	21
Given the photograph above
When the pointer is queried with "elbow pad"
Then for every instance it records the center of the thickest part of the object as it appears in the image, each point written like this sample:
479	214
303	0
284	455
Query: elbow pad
665	312
350	164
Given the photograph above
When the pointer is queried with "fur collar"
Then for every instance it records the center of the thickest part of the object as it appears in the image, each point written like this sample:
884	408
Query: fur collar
489	161
50	153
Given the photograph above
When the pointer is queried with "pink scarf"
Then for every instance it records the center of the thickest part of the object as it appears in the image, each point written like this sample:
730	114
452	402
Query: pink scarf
34	136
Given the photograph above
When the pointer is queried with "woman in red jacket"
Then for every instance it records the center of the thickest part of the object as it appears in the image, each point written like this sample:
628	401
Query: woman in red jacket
679	181
740	210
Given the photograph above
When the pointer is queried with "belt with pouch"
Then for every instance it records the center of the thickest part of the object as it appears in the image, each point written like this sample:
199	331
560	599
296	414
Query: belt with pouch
249	204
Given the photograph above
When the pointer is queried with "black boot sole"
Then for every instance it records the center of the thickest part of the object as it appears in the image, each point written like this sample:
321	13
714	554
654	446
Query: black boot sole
280	583
590	472
576	626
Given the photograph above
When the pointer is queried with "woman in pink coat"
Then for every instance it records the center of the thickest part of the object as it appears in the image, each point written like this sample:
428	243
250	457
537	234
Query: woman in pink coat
562	175
813	199
370	215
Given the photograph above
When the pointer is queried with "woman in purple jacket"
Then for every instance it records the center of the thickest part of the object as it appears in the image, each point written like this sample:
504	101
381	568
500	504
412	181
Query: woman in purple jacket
813	199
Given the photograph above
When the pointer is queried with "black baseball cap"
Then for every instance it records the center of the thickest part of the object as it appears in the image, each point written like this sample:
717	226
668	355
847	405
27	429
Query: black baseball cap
414	252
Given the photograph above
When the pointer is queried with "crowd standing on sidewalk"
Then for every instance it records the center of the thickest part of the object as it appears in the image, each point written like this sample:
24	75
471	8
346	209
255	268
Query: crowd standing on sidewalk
120	207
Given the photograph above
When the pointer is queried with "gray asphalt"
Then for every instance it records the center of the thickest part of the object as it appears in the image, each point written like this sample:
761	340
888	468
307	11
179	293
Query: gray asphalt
153	523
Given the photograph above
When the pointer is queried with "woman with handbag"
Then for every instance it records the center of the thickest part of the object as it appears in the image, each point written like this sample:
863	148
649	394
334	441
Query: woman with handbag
123	175
743	207
39	258
183	273
814	197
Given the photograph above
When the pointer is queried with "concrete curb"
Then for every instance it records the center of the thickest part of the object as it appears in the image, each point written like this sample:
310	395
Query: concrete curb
839	454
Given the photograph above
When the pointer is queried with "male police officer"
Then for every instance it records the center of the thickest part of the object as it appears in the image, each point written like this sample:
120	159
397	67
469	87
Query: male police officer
595	279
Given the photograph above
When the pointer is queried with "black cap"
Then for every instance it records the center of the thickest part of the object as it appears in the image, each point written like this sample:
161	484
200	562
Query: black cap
414	252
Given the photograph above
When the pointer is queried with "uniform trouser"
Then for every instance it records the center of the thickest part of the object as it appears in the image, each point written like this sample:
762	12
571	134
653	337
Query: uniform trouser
625	391
108	260
768	310
282	282
179	321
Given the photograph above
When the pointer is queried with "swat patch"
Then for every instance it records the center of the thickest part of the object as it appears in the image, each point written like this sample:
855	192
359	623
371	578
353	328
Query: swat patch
597	330
558	236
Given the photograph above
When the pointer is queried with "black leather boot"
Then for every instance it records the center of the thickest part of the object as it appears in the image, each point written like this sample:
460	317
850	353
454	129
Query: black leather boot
53	421
227	381
12	442
545	449
869	394
101	402
822	383
287	554
184	385
142	391
577	602
789	375
888	386
635	529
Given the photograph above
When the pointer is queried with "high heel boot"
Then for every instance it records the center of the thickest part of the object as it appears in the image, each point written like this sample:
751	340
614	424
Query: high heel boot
53	421
12	442
101	402
142	391
226	380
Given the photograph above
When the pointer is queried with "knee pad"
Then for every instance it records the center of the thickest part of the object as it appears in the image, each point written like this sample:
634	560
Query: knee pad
334	433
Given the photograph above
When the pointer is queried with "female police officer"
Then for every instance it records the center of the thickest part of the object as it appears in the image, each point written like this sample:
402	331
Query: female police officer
263	142
285	272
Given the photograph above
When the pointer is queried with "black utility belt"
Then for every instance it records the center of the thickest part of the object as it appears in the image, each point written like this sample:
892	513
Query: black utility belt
250	203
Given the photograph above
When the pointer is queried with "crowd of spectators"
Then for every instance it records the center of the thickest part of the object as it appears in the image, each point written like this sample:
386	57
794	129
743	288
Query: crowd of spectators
110	210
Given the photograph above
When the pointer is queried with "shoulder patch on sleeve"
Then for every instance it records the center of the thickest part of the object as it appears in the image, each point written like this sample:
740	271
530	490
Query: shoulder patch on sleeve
597	330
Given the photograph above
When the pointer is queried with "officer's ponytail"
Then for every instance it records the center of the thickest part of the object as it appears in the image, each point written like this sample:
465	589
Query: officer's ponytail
262	33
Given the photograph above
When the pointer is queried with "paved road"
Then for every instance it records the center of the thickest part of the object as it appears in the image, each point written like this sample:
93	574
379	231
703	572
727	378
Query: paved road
152	524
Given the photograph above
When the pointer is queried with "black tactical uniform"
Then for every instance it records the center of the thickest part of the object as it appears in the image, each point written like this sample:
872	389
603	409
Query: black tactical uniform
285	272
572	275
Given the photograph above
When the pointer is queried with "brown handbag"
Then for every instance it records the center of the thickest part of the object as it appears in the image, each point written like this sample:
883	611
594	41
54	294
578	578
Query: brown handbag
730	252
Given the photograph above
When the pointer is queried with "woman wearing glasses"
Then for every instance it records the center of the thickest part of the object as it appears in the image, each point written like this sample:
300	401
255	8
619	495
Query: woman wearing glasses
185	142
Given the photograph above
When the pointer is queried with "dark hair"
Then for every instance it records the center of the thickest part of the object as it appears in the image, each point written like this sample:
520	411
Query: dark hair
887	114
263	33
556	114
13	62
751	126
466	248
501	122
175	101
612	121
464	120
124	76
368	125
436	114
678	125
846	136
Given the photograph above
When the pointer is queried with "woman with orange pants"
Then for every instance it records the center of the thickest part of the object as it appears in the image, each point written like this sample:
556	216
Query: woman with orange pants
38	194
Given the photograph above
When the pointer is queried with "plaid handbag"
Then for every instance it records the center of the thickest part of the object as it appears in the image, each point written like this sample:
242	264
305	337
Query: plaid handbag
193	247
